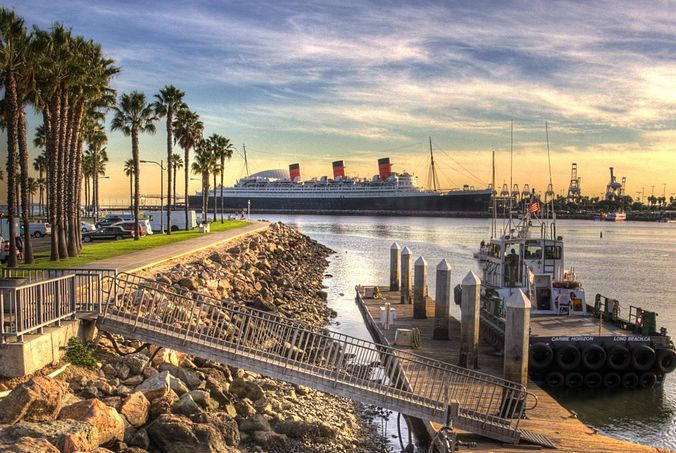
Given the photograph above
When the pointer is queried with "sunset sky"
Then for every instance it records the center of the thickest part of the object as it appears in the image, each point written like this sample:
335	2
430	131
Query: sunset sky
312	82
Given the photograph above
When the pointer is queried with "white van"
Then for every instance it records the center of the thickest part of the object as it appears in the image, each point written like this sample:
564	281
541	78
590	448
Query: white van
177	220
38	230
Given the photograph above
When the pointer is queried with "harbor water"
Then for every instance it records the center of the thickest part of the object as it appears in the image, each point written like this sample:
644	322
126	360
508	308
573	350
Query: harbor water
633	262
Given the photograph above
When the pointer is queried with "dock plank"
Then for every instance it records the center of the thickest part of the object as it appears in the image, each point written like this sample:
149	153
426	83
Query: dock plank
549	418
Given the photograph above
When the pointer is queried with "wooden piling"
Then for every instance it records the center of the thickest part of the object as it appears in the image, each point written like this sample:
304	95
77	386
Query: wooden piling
406	277
395	265
442	308
517	320
420	289
469	321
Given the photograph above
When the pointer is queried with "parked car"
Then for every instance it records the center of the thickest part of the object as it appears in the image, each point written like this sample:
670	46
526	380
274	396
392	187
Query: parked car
115	218
86	227
39	229
127	225
108	232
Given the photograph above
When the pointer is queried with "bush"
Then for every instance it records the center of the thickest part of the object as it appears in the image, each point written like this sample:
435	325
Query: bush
78	353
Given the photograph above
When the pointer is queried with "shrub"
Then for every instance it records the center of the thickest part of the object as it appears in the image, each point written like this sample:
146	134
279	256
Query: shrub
78	353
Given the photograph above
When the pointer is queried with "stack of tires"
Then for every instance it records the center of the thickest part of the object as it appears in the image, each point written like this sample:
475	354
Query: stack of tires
593	365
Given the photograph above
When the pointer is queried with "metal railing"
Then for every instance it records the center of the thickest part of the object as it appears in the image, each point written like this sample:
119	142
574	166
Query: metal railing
42	301
313	356
37	274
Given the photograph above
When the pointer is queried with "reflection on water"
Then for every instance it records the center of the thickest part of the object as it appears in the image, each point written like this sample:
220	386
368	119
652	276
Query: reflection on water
634	262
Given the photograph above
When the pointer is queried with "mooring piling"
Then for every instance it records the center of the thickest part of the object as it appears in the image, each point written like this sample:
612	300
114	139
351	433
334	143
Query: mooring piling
420	289
395	266
406	277
469	321
517	320
442	307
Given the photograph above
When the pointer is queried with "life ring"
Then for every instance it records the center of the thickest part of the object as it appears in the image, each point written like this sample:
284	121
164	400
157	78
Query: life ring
630	380
612	380
567	356
647	380
554	379
619	357
642	357
540	356
593	356
593	380
574	380
666	360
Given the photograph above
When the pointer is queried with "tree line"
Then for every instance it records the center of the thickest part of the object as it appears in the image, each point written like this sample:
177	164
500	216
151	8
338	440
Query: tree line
66	79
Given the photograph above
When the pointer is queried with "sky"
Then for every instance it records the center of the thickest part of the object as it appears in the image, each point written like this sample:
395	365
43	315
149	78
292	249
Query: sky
312	82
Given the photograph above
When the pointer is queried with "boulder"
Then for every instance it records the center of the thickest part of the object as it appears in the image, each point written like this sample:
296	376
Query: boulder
166	356
256	422
107	420
140	439
162	404
155	386
202	398
188	283
28	445
271	441
190	378
135	409
244	407
57	432
243	389
186	405
178	434
223	422
135	362
39	399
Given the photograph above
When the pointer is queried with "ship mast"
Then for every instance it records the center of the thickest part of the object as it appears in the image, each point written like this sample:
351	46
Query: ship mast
493	196
432	179
246	162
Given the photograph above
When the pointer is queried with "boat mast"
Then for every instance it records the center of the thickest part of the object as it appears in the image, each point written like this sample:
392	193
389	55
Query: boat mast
433	170
246	162
493	196
550	189
511	161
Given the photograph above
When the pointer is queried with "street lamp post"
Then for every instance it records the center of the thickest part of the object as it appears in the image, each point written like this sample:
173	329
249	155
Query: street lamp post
161	165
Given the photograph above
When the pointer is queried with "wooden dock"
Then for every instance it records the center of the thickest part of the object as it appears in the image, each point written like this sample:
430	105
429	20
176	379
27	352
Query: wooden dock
549	418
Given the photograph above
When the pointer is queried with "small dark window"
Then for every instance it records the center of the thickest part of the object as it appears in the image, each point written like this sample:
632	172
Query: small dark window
553	252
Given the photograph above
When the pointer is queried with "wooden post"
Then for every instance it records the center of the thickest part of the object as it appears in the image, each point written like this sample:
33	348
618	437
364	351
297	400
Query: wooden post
420	289
442	307
469	321
517	325
406	271
395	265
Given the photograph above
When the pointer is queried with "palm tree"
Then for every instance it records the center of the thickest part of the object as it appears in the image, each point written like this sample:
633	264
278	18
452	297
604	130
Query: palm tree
40	165
203	164
32	190
129	171
177	164
13	46
169	101
188	129
223	149
133	116
95	135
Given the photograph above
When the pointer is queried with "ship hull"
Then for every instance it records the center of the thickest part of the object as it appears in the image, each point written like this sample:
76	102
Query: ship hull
455	204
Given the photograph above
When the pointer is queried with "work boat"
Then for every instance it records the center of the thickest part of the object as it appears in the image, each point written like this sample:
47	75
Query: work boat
573	343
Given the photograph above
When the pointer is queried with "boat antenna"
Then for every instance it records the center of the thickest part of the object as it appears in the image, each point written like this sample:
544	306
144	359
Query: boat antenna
550	189
432	177
246	162
494	194
511	162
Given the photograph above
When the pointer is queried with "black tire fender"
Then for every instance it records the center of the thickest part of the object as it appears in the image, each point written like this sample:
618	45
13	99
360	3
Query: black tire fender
593	380
593	356
574	380
554	379
630	380
567	356
666	360
647	380
612	380
540	356
619	357
642	357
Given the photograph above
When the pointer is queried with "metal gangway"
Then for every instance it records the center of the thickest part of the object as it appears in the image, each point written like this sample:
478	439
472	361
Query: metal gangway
300	353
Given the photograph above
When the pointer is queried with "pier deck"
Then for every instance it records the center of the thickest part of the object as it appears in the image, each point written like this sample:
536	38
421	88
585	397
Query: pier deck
549	418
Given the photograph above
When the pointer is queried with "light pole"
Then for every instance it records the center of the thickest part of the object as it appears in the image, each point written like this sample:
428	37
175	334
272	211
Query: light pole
161	165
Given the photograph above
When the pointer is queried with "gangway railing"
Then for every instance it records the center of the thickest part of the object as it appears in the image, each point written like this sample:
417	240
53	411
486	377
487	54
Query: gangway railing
309	355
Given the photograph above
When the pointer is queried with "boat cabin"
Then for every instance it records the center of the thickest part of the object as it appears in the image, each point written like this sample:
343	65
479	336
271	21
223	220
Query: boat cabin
536	266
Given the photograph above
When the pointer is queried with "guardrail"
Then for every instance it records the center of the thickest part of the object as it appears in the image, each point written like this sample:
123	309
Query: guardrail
37	274
325	360
43	300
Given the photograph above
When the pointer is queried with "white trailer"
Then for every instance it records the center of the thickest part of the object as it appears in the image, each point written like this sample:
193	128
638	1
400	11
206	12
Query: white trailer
177	220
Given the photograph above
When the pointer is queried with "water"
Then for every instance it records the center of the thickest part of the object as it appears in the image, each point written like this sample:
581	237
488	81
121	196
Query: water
634	262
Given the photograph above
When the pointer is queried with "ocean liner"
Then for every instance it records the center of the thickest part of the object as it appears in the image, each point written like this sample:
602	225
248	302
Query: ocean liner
387	193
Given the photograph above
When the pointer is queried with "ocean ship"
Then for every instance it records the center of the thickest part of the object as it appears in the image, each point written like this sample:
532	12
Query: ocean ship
387	193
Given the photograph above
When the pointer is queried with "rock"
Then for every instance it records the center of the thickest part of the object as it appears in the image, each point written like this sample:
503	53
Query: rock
271	441
123	372
108	422
133	381
109	370
244	407
223	422
155	386
135	362
299	429
243	389
188	283
202	398
256	422
216	258
135	408
323	295
186	405
166	356
162	404
112	401
28	445
39	399
164	279
140	439
57	432
178	434
150	372
186	376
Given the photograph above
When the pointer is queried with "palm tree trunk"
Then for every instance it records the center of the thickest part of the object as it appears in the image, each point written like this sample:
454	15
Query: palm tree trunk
95	182
205	197
11	106
222	171
50	120
61	185
170	153
137	180
131	190
187	180
214	217
175	172
74	164
23	162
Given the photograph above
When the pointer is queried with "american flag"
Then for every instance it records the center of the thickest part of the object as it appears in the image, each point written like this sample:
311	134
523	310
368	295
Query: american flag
534	207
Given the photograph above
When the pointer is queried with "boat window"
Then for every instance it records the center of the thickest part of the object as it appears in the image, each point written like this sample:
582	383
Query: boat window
533	252
553	252
512	272
494	251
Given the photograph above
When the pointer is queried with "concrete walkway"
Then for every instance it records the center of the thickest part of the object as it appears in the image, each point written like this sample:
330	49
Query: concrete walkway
134	262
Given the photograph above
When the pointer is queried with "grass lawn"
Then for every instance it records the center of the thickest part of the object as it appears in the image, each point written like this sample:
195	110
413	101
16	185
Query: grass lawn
102	250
